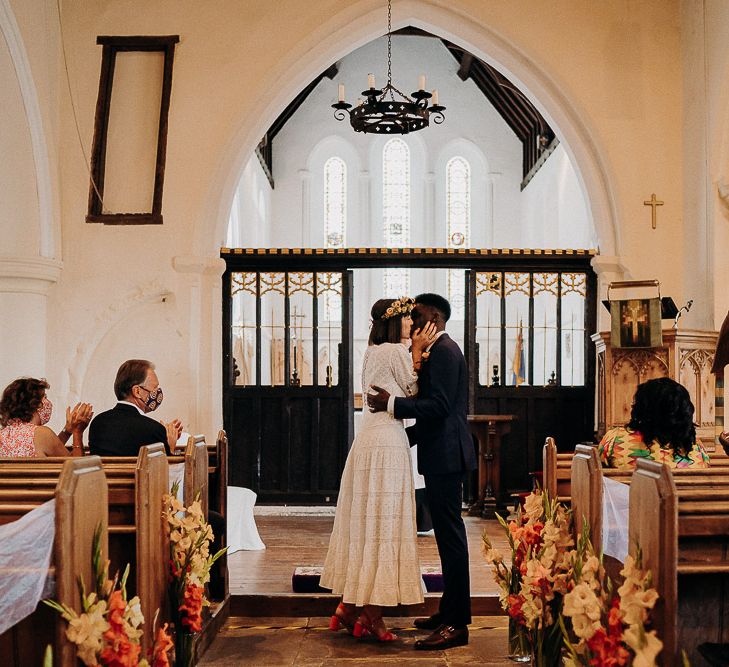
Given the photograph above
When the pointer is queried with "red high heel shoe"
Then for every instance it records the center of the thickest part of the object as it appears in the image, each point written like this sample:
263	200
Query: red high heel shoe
376	627
340	619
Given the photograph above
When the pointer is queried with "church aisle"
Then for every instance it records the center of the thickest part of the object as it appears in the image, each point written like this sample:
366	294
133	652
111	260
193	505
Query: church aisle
293	541
307	642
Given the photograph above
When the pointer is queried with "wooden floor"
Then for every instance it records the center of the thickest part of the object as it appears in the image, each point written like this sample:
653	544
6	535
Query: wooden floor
270	625
303	541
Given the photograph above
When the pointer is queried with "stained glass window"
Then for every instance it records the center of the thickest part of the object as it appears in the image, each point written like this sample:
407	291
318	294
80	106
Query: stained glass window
335	202
396	211
335	225
458	227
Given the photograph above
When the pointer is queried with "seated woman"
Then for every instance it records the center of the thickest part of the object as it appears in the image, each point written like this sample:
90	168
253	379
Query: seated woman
24	409
661	428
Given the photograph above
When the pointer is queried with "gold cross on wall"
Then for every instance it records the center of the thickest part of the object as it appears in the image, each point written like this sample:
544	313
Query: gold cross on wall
653	202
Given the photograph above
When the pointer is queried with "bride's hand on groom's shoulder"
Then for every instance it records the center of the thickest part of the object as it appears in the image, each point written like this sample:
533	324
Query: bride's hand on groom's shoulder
421	338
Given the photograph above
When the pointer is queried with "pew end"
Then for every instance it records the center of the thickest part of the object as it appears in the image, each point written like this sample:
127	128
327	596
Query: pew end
587	492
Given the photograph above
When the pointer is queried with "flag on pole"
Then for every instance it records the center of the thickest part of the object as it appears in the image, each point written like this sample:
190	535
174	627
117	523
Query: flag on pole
518	364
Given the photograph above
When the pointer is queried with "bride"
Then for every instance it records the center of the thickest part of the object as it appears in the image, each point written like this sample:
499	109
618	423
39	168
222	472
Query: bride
372	559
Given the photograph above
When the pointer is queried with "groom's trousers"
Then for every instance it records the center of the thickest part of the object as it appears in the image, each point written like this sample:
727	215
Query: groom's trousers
444	493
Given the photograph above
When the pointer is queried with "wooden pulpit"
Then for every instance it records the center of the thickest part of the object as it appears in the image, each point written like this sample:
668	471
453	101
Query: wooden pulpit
685	356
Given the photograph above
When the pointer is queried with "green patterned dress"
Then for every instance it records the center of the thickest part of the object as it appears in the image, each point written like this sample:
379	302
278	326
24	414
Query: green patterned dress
620	447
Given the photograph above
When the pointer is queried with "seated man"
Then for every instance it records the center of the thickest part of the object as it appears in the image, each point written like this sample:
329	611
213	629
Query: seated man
125	428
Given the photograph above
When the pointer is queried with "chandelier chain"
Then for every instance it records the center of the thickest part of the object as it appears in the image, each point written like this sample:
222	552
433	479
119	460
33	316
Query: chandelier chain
389	43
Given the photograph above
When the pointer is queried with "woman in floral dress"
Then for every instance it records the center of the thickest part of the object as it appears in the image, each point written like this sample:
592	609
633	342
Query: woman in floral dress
24	411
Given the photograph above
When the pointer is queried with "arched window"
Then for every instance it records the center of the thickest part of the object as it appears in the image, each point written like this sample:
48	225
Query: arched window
335	202
396	211
458	227
335	223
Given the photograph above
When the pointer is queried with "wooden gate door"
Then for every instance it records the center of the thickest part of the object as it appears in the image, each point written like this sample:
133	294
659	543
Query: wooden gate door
287	362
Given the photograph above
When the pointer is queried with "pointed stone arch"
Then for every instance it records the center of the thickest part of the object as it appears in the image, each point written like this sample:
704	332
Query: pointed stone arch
358	23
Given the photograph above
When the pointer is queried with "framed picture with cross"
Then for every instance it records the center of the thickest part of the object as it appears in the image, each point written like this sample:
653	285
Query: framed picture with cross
635	321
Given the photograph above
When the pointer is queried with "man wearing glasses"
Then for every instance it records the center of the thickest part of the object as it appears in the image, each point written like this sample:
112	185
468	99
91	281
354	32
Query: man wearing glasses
125	428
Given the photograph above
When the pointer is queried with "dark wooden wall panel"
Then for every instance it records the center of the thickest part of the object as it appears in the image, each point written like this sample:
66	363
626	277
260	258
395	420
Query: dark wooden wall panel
332	451
241	425
300	418
273	432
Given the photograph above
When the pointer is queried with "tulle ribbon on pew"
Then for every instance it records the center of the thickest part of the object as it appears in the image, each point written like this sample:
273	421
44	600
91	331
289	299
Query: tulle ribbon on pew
26	548
615	514
177	474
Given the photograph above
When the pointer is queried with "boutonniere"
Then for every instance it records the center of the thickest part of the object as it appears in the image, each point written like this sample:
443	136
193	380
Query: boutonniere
424	356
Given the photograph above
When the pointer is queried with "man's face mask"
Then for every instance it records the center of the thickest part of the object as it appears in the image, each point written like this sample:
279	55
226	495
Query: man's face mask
154	398
45	410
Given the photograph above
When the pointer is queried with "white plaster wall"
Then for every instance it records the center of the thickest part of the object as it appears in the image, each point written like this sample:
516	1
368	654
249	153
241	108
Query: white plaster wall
553	208
19	214
250	215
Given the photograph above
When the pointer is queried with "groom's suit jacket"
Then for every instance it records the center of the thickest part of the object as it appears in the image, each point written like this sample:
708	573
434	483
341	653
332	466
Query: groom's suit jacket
441	429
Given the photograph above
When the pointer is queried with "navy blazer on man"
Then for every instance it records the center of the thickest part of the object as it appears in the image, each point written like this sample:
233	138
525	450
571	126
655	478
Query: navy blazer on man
440	409
122	430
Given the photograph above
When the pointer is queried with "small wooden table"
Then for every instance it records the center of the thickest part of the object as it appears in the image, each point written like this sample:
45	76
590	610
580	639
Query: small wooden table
488	430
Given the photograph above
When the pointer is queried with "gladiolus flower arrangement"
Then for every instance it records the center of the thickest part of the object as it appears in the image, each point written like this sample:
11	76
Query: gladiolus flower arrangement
109	628
533	585
603	627
190	562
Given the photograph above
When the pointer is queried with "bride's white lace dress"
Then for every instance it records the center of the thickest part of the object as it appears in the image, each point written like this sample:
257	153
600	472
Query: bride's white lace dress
373	557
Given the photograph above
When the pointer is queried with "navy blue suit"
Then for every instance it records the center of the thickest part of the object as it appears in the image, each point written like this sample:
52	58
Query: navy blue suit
445	454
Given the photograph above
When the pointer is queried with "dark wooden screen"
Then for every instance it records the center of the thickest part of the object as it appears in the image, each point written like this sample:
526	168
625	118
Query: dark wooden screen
288	441
289	425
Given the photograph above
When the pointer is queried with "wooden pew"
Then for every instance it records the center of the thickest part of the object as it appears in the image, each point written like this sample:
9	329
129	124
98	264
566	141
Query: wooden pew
30	478
684	539
557	475
136	532
196	472
76	520
587	493
218	467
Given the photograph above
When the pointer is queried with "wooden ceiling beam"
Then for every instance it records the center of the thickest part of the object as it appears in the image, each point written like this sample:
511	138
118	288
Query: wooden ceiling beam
464	71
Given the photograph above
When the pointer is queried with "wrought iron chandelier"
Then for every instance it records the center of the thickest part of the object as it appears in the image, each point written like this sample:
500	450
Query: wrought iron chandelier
379	115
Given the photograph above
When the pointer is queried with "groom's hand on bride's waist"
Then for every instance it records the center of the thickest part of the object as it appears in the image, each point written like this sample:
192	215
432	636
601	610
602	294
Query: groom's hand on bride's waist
377	399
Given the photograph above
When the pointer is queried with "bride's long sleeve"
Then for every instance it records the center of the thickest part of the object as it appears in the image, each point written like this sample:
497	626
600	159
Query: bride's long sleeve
401	365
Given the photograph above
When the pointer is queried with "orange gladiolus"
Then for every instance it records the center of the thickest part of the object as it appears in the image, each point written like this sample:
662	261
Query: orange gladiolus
117	606
192	607
120	652
162	645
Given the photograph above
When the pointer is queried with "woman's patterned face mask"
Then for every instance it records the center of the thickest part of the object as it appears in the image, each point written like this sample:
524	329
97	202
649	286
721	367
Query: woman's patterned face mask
45	410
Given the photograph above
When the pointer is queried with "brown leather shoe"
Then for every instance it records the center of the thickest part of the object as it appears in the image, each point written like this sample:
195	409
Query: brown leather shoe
431	623
444	637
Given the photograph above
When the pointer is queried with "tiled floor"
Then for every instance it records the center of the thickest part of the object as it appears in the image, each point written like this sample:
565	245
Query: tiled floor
307	642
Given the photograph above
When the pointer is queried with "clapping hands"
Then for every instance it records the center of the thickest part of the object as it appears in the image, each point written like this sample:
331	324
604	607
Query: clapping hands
78	418
174	430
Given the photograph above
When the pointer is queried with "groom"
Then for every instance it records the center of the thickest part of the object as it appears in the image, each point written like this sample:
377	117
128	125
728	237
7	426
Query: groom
445	454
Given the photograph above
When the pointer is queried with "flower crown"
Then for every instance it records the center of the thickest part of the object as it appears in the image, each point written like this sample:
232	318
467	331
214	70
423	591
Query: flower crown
403	306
